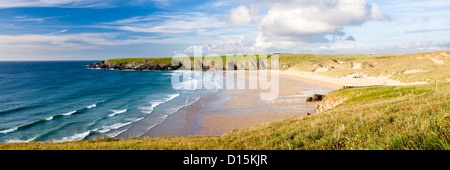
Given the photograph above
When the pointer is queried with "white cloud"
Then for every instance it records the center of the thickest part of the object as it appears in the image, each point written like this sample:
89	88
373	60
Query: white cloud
58	41
387	48
263	26
288	24
168	23
241	45
160	3
427	30
40	20
164	28
55	3
216	5
292	23
240	16
376	14
184	27
58	32
80	3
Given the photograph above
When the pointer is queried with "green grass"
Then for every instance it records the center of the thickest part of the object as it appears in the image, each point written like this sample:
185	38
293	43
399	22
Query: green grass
154	61
168	61
373	117
392	66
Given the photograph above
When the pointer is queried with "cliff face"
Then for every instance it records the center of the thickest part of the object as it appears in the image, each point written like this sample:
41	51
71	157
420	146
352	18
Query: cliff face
133	66
158	66
330	102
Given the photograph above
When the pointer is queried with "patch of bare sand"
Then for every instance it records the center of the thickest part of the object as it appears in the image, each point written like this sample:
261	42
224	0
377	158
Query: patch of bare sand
444	54
435	59
414	71
356	65
349	80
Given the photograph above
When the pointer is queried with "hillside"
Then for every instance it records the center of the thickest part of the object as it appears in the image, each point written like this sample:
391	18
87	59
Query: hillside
405	68
374	117
421	67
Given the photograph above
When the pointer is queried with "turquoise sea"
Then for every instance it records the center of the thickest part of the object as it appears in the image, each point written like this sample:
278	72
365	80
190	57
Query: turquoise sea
65	100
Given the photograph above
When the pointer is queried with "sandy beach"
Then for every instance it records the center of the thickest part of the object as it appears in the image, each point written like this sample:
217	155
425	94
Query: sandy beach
345	81
226	110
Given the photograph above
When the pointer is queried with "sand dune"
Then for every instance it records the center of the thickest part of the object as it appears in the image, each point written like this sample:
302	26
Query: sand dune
348	80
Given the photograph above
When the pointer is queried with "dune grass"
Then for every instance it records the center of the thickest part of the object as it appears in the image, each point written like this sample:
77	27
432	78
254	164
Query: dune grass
374	117
429	67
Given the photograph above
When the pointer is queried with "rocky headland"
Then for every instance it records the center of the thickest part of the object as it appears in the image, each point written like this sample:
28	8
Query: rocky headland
140	66
157	65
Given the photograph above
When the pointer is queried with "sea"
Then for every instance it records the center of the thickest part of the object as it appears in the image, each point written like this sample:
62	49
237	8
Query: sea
57	101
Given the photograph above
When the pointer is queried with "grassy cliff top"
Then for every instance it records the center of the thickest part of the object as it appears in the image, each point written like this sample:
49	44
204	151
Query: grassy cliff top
374	117
141	60
155	61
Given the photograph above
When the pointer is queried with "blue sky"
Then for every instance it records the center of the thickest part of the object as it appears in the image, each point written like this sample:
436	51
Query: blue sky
102	29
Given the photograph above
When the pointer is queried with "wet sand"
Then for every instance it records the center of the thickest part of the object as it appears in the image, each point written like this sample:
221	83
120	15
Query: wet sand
225	110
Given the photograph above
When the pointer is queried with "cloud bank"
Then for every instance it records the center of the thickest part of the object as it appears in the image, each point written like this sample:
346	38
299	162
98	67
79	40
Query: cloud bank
162	27
291	23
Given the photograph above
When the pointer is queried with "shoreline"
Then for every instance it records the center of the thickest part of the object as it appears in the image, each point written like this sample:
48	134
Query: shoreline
221	112
225	110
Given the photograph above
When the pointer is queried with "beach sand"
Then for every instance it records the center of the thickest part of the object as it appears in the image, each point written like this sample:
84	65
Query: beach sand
225	110
346	81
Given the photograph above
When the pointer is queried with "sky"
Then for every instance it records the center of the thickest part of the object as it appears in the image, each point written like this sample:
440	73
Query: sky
105	29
